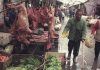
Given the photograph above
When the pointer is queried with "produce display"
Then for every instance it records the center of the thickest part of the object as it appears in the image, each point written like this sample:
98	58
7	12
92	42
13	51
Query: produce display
53	64
16	68
29	63
3	58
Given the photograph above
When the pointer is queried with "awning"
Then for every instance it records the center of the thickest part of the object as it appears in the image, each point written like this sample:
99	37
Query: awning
72	2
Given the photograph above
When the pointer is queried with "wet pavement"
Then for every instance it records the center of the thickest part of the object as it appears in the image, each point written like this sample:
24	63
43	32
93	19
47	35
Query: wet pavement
85	60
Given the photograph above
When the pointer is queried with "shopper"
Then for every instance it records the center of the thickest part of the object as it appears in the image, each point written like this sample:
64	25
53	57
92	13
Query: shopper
77	32
71	12
96	33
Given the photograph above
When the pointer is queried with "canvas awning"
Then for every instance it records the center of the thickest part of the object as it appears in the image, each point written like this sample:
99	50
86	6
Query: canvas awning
72	2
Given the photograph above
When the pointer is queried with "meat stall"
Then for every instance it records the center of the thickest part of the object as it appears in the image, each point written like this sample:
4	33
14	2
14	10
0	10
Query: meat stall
29	25
41	13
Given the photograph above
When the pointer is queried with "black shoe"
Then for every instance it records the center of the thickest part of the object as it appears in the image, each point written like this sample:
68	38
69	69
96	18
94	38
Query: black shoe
94	66
68	58
74	60
95	59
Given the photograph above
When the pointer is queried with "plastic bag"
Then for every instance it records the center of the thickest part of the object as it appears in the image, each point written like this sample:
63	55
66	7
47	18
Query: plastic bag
65	34
90	41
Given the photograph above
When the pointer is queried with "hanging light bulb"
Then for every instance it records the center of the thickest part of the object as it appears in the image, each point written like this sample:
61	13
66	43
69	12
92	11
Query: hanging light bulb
40	1
30	5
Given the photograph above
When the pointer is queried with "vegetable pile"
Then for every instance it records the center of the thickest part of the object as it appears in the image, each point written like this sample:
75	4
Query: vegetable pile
16	68
3	58
29	63
53	64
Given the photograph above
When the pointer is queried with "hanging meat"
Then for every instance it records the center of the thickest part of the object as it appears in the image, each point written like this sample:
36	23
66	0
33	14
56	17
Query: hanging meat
23	19
43	15
51	22
34	17
20	28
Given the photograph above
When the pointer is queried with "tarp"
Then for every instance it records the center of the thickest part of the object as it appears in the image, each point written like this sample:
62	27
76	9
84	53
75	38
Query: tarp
72	2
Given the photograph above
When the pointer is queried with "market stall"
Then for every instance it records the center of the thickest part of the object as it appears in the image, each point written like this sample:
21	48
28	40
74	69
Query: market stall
41	16
33	22
32	34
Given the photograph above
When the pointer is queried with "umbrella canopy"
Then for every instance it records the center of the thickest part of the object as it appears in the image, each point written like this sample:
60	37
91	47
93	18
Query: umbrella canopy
72	2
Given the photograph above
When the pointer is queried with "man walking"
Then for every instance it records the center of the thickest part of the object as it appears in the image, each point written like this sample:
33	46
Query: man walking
77	32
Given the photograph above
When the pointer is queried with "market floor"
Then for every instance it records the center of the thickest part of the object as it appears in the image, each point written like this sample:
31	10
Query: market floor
85	58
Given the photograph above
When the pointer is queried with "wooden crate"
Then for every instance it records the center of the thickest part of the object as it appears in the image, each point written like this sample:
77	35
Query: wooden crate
59	56
17	57
56	54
